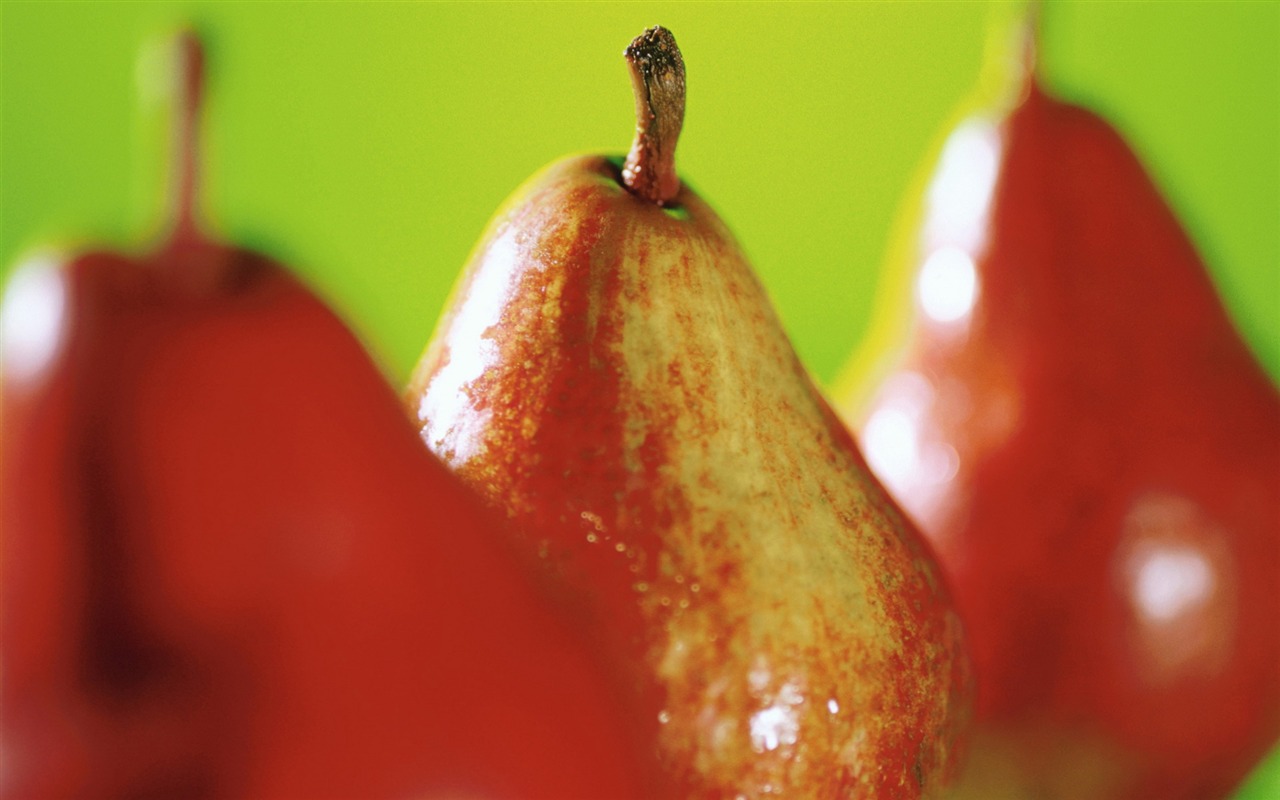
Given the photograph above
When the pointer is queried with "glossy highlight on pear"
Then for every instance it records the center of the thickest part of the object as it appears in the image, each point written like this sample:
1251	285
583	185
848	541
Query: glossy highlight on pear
613	378
1075	423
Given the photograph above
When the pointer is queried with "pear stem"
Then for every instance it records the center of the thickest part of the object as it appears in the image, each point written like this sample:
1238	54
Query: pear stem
188	92
657	78
1030	39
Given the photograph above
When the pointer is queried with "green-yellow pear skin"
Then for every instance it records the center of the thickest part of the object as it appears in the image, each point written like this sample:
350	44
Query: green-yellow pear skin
611	374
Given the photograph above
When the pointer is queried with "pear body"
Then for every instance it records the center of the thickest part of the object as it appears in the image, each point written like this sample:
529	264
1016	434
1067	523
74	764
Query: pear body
611	374
1074	422
230	569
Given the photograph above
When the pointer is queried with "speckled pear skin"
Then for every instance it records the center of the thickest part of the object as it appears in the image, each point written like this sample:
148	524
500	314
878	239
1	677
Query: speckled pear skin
611	374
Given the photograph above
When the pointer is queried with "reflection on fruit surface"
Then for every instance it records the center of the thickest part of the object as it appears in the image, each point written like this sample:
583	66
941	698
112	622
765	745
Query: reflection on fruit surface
1095	454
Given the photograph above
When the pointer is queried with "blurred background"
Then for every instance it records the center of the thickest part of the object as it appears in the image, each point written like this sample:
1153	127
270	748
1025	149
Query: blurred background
367	144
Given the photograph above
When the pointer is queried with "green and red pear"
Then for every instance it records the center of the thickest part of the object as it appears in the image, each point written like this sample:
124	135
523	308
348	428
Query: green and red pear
611	375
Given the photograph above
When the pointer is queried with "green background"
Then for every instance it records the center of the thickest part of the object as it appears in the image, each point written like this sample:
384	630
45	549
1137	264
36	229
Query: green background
367	144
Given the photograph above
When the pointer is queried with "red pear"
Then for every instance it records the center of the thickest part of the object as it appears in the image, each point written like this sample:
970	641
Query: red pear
611	374
231	570
1074	421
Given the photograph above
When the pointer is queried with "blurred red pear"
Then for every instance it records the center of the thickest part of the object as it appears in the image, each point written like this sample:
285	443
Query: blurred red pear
231	570
1077	426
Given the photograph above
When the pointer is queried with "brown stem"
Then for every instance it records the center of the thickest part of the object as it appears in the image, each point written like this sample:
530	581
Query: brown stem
189	80
1030	34
657	78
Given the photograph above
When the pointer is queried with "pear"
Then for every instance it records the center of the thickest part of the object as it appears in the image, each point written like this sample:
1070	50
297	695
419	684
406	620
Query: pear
231	570
1075	423
611	375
